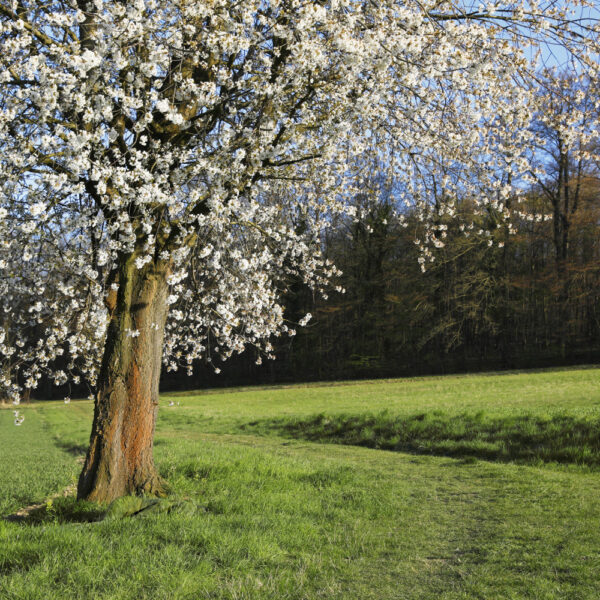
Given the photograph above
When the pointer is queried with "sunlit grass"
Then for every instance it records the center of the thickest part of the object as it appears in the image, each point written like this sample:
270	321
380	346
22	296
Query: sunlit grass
475	501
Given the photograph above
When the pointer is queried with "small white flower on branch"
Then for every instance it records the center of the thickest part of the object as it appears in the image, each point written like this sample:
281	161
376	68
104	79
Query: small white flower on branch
304	321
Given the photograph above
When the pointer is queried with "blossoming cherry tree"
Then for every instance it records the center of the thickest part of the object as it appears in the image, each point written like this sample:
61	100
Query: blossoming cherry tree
166	167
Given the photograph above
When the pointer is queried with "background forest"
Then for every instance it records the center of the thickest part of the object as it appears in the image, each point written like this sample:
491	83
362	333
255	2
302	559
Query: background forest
508	294
527	300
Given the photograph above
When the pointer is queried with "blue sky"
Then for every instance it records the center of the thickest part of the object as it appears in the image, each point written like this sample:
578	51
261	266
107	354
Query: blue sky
556	55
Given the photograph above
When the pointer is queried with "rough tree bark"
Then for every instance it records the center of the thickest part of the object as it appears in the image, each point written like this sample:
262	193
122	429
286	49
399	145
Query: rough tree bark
120	459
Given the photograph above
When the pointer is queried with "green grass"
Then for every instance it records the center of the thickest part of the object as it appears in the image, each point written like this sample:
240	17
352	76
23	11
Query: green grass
491	490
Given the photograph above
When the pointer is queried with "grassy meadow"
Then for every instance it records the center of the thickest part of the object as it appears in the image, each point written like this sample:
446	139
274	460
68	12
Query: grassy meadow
462	487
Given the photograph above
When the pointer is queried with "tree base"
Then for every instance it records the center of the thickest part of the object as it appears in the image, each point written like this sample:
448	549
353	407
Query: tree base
104	491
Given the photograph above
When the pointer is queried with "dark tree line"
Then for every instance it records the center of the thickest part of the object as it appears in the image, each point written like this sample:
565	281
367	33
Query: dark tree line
500	294
499	300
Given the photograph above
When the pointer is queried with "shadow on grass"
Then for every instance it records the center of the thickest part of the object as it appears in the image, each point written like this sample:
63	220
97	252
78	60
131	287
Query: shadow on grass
70	448
58	511
61	510
523	439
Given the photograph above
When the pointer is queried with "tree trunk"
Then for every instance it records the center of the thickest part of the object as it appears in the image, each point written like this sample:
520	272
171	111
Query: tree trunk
120	459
